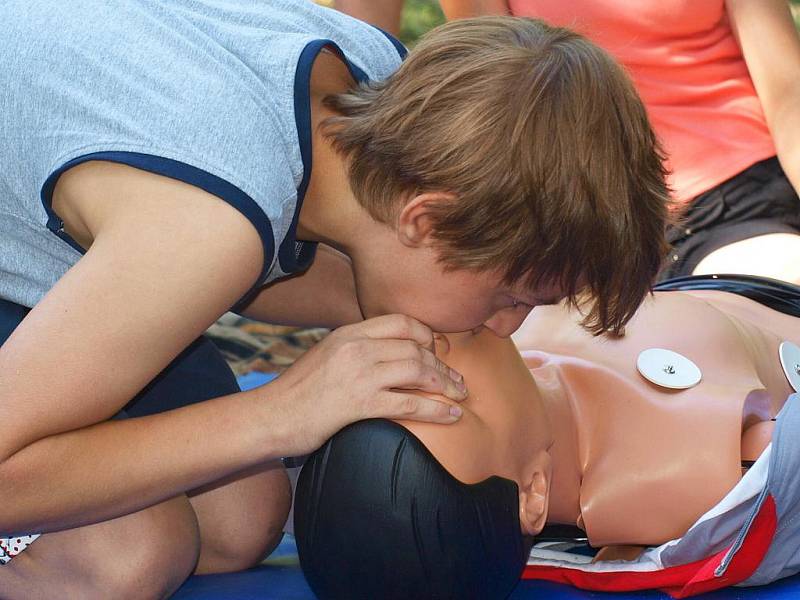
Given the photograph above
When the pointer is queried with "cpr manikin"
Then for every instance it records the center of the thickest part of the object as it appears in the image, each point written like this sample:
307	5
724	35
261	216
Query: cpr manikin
591	442
632	462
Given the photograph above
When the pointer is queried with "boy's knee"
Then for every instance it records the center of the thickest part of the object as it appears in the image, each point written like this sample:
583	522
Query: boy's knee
154	563
239	553
252	532
145	555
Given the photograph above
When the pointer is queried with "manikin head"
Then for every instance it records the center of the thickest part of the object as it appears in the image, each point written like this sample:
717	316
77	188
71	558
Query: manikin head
377	513
507	161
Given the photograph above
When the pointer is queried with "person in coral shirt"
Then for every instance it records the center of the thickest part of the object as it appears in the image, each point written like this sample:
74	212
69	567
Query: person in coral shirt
721	81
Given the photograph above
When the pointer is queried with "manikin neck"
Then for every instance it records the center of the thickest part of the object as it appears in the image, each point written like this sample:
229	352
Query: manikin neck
566	481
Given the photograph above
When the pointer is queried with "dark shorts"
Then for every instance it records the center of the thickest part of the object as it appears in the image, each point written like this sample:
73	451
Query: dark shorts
198	373
758	201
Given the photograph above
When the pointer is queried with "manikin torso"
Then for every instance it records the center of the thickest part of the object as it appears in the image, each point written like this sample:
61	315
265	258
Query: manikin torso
635	463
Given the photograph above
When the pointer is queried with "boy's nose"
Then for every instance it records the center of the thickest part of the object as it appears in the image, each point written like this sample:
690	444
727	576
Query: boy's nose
505	322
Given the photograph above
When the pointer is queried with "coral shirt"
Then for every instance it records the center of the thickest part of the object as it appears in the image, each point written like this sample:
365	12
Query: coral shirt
691	74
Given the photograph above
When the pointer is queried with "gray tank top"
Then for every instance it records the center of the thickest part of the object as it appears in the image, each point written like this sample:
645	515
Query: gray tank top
211	92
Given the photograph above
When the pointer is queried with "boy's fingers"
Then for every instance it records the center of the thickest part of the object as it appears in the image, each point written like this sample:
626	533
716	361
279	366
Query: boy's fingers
441	343
393	350
430	358
399	405
397	327
415	375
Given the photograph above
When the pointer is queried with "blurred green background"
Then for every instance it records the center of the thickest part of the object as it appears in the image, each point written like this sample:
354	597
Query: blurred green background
421	15
418	17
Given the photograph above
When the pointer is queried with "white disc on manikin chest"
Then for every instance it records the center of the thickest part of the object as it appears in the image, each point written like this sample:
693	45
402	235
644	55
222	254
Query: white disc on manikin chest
668	369
789	354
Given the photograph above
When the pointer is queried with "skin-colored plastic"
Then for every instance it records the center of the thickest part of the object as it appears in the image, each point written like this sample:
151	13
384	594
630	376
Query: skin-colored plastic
503	407
632	463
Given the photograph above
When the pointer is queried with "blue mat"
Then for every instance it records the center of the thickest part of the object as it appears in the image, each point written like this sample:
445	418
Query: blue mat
280	578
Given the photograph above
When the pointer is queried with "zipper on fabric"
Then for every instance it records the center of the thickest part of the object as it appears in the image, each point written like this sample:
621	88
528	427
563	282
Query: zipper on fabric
737	544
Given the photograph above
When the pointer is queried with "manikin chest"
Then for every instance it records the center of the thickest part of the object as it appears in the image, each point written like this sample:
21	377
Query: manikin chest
652	460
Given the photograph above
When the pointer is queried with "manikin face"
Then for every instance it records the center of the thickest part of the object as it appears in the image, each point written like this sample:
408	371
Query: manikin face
504	430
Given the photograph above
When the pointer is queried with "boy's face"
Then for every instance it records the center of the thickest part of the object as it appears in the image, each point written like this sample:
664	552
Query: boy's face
412	281
398	269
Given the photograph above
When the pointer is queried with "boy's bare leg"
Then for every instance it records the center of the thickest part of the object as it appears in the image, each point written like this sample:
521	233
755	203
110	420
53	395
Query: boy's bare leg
775	255
149	554
241	518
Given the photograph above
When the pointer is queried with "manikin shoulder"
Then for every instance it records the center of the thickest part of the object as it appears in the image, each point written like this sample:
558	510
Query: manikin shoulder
665	319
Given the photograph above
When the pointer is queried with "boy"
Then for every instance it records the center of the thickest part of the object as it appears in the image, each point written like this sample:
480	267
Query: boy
504	164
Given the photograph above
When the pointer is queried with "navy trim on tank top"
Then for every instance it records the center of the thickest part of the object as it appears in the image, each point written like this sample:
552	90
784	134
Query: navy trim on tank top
175	170
11	315
296	256
293	256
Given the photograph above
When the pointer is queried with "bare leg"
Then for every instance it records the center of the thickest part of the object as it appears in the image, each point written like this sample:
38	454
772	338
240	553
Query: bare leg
775	255
241	518
145	555
382	13
228	526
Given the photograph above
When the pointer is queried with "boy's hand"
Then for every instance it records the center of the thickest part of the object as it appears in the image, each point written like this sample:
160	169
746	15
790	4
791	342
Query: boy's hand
363	371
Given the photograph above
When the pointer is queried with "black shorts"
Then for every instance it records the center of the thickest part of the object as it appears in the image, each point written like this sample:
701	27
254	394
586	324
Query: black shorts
757	201
198	373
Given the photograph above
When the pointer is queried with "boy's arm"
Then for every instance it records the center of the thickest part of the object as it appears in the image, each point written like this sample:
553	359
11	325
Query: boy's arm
322	296
771	47
464	9
166	259
381	13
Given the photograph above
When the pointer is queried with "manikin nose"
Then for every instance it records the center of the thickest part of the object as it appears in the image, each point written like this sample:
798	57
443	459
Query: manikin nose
506	322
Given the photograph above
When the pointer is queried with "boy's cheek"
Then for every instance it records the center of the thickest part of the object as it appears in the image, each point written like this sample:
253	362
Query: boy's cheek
442	309
438	318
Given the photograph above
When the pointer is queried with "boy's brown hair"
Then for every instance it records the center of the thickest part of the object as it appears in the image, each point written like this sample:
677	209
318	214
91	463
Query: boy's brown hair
545	143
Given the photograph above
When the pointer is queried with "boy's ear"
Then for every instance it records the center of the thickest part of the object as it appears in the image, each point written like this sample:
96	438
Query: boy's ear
415	222
534	498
